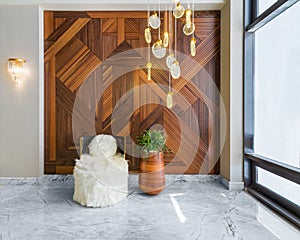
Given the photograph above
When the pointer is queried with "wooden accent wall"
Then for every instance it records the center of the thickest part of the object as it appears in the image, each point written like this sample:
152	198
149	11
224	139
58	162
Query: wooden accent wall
77	43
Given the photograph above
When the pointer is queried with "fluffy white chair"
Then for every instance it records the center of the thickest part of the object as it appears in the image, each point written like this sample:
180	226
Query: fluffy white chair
101	177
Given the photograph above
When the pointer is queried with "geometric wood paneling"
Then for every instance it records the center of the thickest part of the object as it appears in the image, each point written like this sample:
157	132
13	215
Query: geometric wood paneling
76	45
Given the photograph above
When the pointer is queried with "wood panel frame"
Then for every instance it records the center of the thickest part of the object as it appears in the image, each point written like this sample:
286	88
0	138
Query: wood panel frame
74	30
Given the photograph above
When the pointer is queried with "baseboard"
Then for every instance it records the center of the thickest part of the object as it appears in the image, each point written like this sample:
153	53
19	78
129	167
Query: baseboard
35	180
19	178
232	186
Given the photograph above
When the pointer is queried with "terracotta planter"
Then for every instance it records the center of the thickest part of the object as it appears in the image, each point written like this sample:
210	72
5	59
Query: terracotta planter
152	174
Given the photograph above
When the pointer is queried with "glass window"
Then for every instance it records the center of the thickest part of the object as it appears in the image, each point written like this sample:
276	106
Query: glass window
279	185
263	5
277	88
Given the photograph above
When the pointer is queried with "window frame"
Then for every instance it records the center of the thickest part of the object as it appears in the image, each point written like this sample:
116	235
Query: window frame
284	207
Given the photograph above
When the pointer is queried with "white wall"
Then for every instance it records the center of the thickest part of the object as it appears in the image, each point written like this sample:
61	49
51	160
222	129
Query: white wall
225	90
236	90
19	107
232	89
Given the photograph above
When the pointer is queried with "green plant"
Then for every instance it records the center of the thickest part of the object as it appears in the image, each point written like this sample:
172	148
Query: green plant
152	141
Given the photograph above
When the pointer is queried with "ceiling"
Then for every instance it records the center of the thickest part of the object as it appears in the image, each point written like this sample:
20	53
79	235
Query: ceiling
119	5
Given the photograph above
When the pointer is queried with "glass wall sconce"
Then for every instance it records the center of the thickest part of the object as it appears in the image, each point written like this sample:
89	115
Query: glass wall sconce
16	69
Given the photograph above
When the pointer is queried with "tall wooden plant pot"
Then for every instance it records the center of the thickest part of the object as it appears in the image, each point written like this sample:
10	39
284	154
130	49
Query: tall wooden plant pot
152	174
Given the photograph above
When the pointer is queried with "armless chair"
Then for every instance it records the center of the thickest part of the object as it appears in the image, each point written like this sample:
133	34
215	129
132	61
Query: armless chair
101	173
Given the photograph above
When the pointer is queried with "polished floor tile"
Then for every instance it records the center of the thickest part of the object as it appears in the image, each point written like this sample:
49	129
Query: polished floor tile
190	207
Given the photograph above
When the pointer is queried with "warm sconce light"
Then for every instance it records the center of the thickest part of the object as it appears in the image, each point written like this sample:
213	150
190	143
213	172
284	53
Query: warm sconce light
16	69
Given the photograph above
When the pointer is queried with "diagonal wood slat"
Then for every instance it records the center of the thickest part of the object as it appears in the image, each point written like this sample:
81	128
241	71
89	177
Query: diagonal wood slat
132	25
53	32
69	57
189	140
66	100
65	37
85	67
110	25
205	52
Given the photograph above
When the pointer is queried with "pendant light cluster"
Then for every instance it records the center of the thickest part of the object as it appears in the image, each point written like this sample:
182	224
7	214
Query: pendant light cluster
159	48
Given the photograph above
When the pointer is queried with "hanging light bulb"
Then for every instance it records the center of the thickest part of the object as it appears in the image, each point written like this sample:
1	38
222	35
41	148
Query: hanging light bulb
154	21
166	39
170	60
178	11
158	50
189	30
169	100
148	35
175	70
193	46
149	66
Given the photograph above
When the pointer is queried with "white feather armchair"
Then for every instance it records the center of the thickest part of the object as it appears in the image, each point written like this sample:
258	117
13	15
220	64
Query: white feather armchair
101	174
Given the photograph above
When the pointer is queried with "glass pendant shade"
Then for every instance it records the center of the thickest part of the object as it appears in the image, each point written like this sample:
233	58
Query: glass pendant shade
166	39
193	46
158	50
148	35
170	60
178	11
188	14
175	70
189	30
169	100
154	21
149	66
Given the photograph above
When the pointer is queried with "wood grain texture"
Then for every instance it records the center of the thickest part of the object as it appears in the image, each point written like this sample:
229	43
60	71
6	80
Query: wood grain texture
65	37
117	14
78	46
50	115
152	174
121	30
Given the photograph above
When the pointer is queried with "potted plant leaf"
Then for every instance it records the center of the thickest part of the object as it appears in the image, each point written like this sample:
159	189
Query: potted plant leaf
152	174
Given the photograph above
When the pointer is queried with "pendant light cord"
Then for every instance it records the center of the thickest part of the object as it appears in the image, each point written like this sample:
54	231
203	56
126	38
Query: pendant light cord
148	6
175	40
170	40
175	33
148	12
170	27
193	16
159	19
149	54
170	77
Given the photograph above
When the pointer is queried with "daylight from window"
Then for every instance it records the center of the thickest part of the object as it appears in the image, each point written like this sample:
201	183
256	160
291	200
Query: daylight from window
277	98
277	86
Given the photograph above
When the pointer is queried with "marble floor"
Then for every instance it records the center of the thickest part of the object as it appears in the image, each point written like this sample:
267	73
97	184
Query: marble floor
191	207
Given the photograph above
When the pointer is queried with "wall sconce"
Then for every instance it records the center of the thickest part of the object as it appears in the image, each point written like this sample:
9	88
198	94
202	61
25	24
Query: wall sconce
16	69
